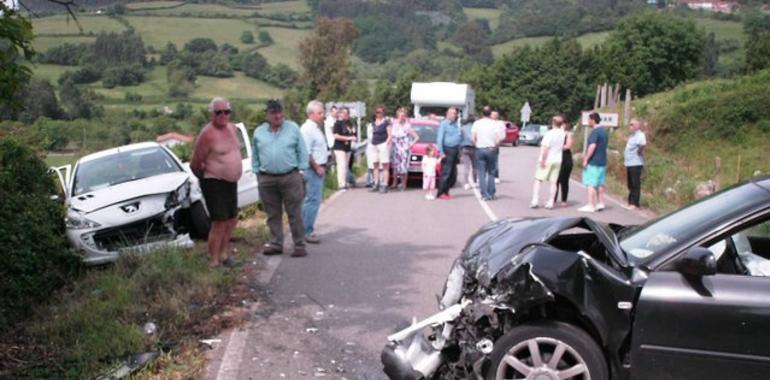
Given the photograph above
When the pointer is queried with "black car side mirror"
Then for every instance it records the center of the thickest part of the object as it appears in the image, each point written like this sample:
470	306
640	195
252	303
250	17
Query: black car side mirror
698	261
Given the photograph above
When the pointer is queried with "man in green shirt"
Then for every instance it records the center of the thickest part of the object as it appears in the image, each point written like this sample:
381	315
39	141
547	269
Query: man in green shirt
279	155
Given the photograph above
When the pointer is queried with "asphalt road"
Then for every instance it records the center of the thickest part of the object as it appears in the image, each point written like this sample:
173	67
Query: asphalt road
383	260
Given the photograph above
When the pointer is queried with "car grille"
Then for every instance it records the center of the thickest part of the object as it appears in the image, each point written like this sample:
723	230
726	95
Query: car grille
141	232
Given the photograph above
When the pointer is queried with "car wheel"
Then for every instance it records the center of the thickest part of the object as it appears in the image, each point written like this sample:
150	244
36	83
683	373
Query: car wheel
200	224
547	350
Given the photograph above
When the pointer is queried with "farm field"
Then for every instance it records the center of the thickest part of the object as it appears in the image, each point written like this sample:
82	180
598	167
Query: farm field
153	4
43	43
295	6
61	24
493	15
200	9
286	48
158	31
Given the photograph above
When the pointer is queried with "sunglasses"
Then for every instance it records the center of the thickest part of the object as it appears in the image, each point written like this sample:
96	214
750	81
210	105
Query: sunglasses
221	112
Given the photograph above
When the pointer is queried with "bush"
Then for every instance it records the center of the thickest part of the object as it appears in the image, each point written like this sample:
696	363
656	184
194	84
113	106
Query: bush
247	37
123	76
35	258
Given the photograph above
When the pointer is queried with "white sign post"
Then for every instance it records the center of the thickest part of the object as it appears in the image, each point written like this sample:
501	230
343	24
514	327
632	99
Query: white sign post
608	119
526	111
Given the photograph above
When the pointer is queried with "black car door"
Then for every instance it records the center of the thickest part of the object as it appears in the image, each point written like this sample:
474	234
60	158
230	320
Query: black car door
712	326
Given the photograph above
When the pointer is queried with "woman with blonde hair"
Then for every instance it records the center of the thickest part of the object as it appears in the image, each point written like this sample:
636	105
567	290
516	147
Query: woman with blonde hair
401	145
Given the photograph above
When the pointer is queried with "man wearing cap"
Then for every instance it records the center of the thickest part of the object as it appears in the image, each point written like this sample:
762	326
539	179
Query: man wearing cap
313	134
280	154
216	161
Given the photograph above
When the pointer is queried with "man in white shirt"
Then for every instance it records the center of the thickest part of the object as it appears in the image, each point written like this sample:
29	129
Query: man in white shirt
314	177
501	126
331	118
486	138
549	161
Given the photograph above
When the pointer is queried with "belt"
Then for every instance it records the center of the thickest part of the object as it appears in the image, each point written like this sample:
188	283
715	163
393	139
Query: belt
277	174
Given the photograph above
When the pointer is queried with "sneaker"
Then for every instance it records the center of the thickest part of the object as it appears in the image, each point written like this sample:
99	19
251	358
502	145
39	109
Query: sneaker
549	206
270	249
533	205
299	251
383	189
429	197
374	189
312	239
343	189
497	180
401	187
445	197
599	206
587	208
467	186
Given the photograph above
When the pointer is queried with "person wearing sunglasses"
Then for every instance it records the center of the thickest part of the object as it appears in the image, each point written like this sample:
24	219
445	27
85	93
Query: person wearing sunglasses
216	161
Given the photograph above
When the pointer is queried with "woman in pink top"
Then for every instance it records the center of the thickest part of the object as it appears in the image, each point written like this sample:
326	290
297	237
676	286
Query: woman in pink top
401	130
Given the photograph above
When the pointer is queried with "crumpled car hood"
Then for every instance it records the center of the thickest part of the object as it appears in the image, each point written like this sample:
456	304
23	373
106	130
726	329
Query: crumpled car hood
492	247
159	184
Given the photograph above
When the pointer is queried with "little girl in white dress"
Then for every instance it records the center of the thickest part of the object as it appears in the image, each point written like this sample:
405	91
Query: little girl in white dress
429	163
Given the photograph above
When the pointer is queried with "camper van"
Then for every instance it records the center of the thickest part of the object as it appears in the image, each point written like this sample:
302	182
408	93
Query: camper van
434	98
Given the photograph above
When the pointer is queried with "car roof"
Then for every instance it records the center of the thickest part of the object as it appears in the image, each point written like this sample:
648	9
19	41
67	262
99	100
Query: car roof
124	148
430	122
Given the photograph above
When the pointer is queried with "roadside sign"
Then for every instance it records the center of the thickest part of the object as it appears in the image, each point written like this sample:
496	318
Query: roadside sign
609	119
526	111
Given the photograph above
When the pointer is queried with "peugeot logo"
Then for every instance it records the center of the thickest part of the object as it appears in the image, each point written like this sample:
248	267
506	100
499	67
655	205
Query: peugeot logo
130	208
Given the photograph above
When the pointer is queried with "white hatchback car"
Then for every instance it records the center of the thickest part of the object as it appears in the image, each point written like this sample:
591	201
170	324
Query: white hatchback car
139	197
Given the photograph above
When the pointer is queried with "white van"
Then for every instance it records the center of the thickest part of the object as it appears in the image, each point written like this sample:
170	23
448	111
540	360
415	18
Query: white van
435	98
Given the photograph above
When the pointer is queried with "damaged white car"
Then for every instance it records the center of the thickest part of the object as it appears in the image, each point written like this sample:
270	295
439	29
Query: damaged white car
136	198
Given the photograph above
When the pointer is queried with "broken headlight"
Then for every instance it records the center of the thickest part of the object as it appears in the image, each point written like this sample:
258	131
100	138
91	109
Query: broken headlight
75	221
178	196
453	289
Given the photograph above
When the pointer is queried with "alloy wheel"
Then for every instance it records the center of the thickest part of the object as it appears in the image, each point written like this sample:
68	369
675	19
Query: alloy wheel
542	358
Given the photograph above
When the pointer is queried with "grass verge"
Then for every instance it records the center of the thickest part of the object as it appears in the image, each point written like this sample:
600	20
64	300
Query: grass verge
91	326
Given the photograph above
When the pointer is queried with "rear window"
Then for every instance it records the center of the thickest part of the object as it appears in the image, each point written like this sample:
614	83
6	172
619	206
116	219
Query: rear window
427	133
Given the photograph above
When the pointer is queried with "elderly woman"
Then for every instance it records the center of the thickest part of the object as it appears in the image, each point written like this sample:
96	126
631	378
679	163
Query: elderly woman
400	132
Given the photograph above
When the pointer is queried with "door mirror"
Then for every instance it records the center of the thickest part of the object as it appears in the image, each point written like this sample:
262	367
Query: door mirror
698	261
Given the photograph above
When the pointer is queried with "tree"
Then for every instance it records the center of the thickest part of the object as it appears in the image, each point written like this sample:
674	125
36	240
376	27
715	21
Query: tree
651	52
325	57
254	65
78	103
472	37
169	53
15	46
200	45
281	76
552	78
710	56
247	37
757	26
39	101
265	38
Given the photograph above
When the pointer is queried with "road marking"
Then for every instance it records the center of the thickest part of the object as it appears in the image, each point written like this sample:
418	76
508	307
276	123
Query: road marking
271	265
231	361
484	205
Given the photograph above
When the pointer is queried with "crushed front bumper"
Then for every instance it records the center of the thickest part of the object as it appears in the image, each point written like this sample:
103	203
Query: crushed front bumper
410	355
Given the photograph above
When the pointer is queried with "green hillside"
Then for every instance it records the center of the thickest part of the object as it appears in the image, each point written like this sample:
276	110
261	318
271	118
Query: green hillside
692	125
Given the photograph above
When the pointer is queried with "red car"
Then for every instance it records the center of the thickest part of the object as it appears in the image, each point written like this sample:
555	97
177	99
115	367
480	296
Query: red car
427	129
511	134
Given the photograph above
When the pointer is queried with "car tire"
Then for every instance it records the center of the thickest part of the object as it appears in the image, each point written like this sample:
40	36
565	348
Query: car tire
200	223
511	356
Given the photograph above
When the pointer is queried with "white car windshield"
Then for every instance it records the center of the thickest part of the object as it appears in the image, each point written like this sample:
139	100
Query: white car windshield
122	167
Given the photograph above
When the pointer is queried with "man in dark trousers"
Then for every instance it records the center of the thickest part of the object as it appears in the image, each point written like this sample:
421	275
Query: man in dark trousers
448	141
280	154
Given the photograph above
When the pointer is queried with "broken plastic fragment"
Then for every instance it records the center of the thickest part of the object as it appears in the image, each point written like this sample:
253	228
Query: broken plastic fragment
210	342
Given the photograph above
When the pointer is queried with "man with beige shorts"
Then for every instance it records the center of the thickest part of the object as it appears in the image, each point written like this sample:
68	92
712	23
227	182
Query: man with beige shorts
549	162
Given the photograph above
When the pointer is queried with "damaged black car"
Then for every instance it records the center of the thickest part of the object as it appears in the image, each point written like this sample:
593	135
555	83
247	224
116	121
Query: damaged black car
684	296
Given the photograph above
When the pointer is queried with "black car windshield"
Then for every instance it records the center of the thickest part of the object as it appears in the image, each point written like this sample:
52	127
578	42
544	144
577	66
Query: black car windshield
666	232
427	133
122	167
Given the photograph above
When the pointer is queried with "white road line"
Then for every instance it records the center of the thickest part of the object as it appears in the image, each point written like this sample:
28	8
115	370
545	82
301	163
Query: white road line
231	361
484	205
271	265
